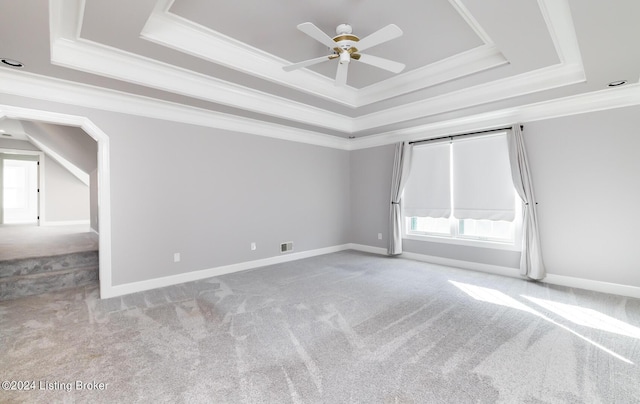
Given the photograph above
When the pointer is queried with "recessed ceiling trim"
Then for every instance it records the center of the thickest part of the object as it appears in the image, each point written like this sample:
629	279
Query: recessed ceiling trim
30	85
172	31
176	33
463	64
557	16
84	95
538	80
110	62
572	105
471	21
89	56
65	19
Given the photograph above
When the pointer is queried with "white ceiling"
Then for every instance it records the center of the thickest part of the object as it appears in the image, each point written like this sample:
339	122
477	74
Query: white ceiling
224	59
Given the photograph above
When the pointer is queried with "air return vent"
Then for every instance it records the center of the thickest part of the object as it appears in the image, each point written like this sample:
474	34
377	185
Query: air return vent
286	247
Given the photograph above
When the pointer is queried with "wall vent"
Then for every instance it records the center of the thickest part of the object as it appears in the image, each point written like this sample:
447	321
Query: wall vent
286	247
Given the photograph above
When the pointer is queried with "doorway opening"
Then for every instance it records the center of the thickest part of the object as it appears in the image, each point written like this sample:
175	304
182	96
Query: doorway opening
20	188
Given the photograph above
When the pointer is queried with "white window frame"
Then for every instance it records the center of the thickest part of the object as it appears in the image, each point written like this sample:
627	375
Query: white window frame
455	238
459	239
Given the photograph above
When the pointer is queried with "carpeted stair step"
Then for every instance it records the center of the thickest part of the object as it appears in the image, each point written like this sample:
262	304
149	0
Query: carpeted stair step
33	276
33	265
34	284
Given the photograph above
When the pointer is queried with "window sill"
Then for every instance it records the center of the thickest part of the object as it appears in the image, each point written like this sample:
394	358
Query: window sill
495	245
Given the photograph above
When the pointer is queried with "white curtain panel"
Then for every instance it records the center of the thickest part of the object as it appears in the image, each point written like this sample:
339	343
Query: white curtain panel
427	192
531	264
401	168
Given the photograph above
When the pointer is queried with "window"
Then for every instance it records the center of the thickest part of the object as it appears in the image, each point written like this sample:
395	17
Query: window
462	192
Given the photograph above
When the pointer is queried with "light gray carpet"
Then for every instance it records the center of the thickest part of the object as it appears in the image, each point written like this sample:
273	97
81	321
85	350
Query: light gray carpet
23	241
341	328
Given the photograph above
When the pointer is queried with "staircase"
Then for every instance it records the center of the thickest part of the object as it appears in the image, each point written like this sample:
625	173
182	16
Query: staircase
32	276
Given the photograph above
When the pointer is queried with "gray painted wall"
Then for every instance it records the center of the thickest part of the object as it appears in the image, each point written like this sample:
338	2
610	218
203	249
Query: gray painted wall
371	178
370	195
209	193
17	144
66	197
72	143
93	200
585	170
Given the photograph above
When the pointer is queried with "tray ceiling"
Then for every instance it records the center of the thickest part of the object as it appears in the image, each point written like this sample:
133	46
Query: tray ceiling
463	57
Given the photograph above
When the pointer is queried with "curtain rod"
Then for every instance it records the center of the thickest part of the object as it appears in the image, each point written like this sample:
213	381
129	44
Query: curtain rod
463	134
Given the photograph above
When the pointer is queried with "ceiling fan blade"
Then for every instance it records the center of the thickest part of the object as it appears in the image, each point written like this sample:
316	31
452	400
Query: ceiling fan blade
341	75
317	34
385	34
306	63
382	63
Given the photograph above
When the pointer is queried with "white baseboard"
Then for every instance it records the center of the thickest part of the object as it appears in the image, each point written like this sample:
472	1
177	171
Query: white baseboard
473	266
133	287
367	248
580	283
552	279
590	284
64	223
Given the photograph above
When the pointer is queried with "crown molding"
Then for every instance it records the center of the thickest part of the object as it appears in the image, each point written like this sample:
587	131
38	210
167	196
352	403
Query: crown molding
57	90
570	70
29	85
88	56
606	99
100	59
473	61
69	50
175	32
85	55
527	83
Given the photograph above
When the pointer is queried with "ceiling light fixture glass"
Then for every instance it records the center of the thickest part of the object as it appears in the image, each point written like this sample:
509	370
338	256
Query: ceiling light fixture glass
11	62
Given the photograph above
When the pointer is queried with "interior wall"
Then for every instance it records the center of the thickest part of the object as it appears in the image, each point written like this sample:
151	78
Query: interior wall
370	195
72	143
585	171
93	201
209	193
66	197
17	144
371	179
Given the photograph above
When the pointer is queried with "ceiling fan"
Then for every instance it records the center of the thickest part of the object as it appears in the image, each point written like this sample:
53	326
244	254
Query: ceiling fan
347	47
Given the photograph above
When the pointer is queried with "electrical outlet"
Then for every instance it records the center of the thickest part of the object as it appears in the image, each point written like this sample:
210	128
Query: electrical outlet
253	246
176	257
379	236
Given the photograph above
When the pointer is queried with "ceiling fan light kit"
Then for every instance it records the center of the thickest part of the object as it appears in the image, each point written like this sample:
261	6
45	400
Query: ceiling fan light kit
347	47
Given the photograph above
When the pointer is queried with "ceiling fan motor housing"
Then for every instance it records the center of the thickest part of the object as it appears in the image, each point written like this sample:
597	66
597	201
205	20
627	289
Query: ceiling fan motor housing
345	45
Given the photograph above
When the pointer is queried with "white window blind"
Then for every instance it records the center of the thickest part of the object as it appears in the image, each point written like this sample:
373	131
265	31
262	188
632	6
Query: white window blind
427	193
482	185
